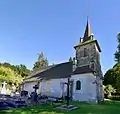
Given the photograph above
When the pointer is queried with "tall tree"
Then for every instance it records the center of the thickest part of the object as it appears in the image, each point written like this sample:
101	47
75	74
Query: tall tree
117	53
41	62
112	76
70	59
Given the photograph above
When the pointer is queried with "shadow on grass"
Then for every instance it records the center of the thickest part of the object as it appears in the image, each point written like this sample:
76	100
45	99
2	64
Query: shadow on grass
109	107
42	109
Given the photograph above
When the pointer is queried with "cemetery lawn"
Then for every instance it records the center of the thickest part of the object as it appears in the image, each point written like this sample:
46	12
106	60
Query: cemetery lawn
108	107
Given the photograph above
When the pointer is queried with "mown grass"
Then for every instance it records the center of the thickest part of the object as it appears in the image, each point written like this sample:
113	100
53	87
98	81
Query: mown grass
109	107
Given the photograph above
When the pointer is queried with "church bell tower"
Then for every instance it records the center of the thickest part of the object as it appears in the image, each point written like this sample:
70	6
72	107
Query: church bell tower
88	51
88	55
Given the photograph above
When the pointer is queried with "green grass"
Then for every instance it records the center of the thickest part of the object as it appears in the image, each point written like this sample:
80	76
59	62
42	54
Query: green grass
108	107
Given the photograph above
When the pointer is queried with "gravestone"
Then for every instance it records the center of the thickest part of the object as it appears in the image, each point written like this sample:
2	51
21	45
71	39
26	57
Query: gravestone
13	90
3	90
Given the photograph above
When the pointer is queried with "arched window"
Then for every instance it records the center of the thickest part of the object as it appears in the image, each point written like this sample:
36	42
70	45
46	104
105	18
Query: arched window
78	85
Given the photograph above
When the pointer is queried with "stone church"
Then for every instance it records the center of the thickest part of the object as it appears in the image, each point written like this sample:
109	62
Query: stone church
84	73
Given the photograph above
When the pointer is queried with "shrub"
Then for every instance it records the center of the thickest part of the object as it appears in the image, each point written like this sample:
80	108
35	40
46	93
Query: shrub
108	90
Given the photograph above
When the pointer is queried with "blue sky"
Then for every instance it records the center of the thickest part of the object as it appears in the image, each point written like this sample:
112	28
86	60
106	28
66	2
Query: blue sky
29	27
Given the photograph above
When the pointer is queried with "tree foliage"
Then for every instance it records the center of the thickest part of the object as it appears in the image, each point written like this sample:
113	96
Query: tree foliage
41	62
108	89
22	70
109	77
70	59
112	77
117	53
13	74
19	69
8	75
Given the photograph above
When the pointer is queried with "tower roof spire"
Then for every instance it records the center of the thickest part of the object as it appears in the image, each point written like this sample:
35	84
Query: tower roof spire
87	33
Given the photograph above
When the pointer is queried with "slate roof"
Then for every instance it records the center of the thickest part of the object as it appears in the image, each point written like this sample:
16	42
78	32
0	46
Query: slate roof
32	79
39	71
87	33
62	70
83	69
